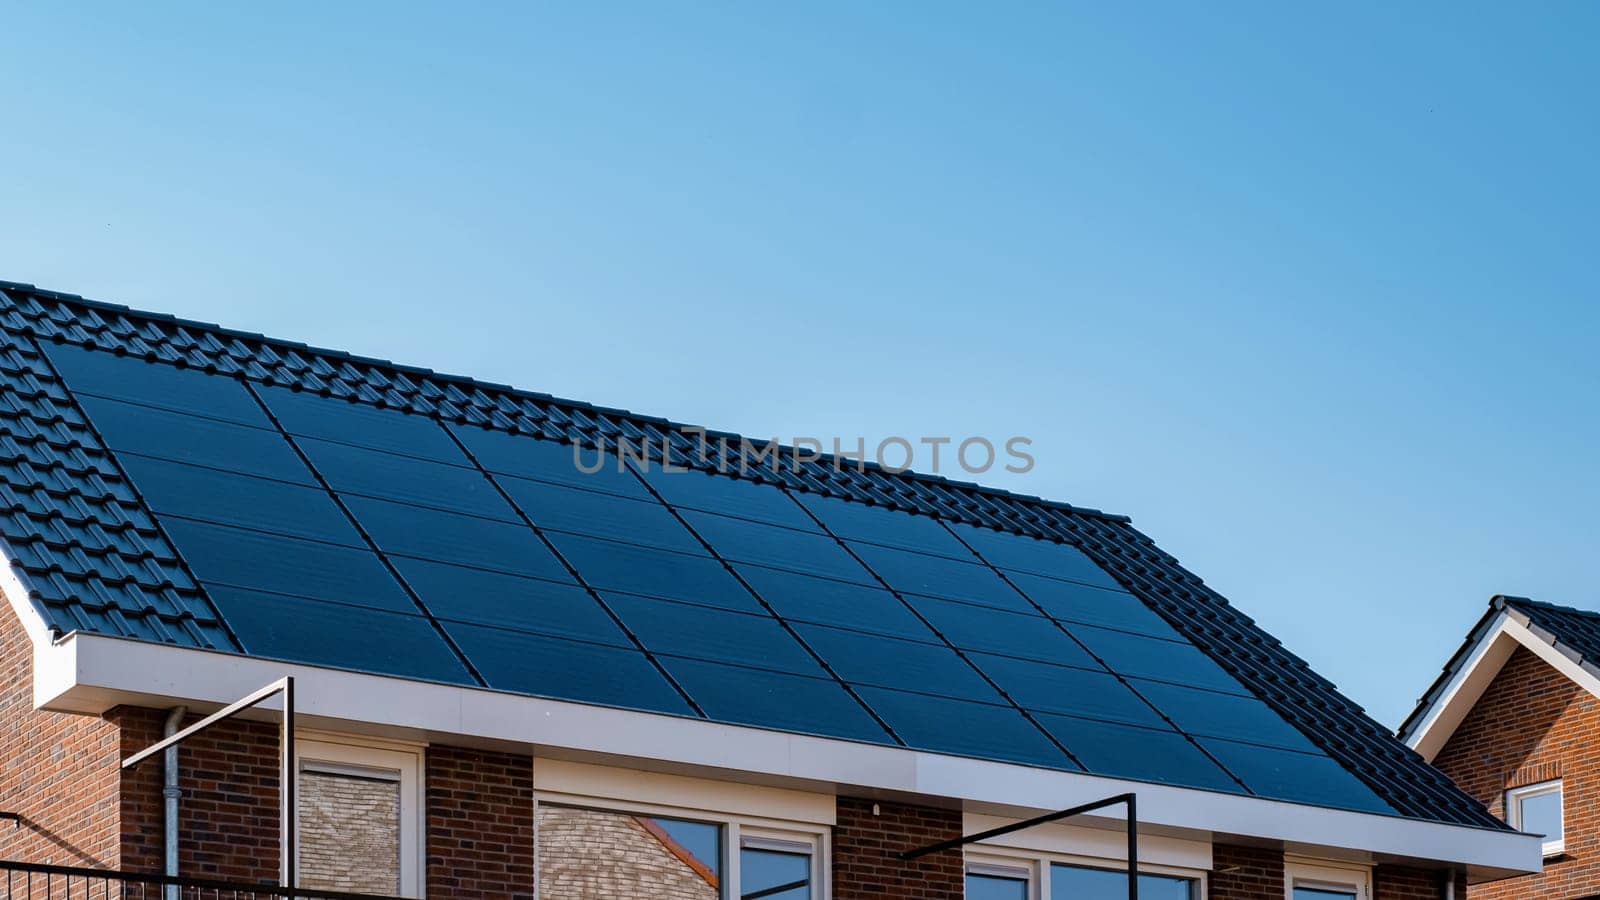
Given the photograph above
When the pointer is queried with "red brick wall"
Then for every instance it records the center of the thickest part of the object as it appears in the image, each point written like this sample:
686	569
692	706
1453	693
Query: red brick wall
480	823
1533	724
864	848
1246	873
59	771
1402	883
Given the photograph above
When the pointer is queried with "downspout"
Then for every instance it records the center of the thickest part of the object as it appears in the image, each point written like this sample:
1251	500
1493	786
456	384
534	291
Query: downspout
170	794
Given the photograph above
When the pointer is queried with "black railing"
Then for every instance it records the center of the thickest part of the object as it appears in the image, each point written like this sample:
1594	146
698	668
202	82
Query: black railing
39	881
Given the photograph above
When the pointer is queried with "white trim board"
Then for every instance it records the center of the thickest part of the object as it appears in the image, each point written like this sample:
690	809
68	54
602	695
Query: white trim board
90	673
1505	633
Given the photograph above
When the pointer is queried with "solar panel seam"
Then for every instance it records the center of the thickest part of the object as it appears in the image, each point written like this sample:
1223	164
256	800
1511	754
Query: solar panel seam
47	366
372	545
573	571
795	635
1097	658
844	545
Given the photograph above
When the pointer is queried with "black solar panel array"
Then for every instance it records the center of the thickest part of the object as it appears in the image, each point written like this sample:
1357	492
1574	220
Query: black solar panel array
314	515
337	533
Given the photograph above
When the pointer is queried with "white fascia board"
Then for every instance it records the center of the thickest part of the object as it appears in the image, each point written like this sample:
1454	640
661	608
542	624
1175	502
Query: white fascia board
1505	634
91	673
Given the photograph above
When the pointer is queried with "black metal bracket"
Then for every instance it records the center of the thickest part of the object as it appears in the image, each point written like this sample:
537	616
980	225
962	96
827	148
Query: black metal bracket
16	818
1132	824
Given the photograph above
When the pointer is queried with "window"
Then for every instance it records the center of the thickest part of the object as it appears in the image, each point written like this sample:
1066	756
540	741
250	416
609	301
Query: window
357	808
584	853
1537	809
1086	883
1325	881
988	882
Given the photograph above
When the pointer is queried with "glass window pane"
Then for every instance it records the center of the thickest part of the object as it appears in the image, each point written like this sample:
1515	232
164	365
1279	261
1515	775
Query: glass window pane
613	565
891	662
191	439
352	422
155	384
1310	893
708	633
782	548
730	496
399	528
774	874
423	482
995	887
349	831
1082	883
529	457
565	670
938	576
275	626
556	507
585	854
1541	814
774	700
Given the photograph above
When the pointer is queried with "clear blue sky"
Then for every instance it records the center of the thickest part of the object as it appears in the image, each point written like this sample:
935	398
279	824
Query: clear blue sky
1310	296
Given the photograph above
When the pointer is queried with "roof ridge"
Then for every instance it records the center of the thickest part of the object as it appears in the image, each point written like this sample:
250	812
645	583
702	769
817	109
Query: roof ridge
579	406
1510	600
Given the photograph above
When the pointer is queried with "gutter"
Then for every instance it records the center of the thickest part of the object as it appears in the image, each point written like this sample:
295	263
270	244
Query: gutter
170	794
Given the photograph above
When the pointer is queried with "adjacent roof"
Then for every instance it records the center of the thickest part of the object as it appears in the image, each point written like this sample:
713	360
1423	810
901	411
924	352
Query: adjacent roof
177	482
1573	634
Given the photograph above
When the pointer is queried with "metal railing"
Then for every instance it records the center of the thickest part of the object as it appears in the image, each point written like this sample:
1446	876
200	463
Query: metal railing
39	881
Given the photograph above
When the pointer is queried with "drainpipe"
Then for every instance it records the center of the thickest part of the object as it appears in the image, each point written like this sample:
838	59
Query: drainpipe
170	794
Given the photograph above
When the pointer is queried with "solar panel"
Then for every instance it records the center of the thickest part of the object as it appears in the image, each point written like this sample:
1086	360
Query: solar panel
298	629
362	424
244	500
880	525
775	700
1223	715
1072	602
802	598
963	727
646	522
714	635
616	566
566	670
937	576
407	479
1146	754
223	555
998	631
891	662
510	601
1286	775
1066	690
782	548
1147	657
1025	554
552	461
190	439
399	528
730	496
155	384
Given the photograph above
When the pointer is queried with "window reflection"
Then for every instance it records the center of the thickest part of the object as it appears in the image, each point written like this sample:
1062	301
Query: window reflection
1083	883
586	854
774	874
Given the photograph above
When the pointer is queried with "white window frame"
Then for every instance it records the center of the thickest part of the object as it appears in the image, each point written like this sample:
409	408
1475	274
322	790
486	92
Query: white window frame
1326	875
738	831
1514	798
1014	862
339	754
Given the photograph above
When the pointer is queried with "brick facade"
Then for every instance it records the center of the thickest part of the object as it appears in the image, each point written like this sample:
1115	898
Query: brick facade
1246	873
1533	724
864	848
480	823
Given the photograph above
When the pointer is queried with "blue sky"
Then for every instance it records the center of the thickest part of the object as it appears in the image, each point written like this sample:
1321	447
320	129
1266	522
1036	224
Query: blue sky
1309	294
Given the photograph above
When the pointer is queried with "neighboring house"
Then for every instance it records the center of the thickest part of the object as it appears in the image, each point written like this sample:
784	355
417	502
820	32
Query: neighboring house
633	682
1515	721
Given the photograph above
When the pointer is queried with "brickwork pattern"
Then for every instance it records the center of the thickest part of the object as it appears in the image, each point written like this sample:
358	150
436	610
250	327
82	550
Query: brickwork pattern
586	854
1404	883
865	847
1534	724
480	823
1246	873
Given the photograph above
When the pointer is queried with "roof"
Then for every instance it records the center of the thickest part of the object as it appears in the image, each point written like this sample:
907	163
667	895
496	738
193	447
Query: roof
177	482
1569	637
